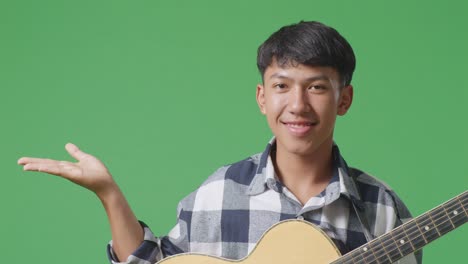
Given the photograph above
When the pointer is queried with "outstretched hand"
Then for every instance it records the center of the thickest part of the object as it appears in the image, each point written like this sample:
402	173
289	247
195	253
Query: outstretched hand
88	171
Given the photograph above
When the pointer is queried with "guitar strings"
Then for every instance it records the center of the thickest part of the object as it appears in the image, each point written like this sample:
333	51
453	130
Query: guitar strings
377	254
437	217
436	221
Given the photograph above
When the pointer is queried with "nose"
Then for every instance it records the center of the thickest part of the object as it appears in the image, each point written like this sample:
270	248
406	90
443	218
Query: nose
298	101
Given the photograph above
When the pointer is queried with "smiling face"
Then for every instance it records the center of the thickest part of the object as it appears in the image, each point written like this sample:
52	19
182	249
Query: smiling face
301	104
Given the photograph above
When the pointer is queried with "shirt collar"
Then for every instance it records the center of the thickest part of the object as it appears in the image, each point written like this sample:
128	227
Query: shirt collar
259	182
265	177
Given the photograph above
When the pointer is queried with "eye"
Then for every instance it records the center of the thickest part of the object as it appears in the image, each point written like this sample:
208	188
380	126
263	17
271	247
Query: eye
317	88
280	85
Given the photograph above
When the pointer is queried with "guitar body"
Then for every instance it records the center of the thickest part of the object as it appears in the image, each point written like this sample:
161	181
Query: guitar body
291	241
300	242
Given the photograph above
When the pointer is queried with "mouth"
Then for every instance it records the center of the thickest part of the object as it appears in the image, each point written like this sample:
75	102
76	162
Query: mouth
299	128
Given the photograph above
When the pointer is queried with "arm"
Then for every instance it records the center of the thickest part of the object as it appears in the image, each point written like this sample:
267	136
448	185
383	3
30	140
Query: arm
92	174
127	233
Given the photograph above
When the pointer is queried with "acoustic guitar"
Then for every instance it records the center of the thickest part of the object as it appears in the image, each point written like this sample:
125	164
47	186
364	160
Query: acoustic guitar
300	242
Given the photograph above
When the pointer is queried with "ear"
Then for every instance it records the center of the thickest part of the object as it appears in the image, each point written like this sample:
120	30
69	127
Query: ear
261	98
345	100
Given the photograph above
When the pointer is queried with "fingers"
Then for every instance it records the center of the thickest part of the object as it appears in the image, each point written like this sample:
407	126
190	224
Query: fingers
64	169
44	167
72	149
26	160
75	152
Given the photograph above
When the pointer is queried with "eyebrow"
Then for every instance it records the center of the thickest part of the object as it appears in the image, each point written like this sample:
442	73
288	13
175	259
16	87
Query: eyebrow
310	79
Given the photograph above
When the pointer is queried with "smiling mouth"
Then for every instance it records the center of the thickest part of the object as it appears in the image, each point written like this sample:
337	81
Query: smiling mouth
299	128
299	124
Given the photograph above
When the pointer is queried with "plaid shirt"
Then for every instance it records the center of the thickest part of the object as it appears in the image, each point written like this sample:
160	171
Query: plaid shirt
229	212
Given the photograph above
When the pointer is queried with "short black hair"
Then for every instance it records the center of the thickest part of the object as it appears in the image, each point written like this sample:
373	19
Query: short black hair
310	43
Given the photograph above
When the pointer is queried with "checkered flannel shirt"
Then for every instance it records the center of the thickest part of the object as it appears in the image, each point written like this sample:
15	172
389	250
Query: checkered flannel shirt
229	212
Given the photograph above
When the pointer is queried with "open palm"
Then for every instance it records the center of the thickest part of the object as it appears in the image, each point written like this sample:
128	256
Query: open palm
88	171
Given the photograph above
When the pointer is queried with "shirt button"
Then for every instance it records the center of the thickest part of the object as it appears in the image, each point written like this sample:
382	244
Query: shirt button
300	217
272	184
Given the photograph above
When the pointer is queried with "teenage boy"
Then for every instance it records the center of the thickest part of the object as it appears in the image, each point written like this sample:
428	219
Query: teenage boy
306	70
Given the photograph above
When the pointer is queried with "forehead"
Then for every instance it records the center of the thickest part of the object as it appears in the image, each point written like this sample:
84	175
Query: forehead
299	72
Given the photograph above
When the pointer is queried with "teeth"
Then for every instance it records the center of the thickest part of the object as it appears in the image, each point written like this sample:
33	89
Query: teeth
298	125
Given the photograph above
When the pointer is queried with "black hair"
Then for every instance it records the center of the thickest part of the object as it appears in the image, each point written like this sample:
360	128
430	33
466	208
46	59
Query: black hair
309	43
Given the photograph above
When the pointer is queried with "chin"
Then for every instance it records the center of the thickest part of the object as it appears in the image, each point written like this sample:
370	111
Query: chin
301	151
299	148
304	147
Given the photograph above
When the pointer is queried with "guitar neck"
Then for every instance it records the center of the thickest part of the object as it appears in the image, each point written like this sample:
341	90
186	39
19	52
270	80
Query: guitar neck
412	235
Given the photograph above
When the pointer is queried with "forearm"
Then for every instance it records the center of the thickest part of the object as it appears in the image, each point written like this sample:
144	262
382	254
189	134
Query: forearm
127	233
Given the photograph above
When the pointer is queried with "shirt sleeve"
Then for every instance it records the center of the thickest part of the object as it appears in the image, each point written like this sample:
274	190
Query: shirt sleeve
148	251
153	248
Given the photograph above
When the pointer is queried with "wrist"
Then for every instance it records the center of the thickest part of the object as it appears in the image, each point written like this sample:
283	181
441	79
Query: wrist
109	193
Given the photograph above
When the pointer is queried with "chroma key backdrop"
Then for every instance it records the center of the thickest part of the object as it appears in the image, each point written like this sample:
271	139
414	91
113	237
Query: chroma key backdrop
163	92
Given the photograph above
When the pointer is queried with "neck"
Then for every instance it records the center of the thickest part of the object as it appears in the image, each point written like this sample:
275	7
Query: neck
304	175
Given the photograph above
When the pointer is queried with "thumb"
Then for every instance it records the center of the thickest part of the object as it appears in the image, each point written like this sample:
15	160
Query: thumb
74	151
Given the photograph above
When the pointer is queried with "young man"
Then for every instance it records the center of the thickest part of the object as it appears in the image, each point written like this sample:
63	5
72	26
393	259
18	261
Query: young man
307	70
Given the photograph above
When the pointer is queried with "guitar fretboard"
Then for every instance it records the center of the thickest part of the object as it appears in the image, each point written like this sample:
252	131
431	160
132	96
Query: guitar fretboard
412	235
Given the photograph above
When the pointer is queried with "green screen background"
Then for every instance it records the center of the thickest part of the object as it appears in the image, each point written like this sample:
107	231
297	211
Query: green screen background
164	93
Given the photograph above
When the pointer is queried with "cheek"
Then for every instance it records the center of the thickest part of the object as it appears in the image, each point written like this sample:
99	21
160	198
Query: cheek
275	104
274	108
326	108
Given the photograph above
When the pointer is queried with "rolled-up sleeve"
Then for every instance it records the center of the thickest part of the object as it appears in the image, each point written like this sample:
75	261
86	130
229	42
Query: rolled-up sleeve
148	252
154	249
